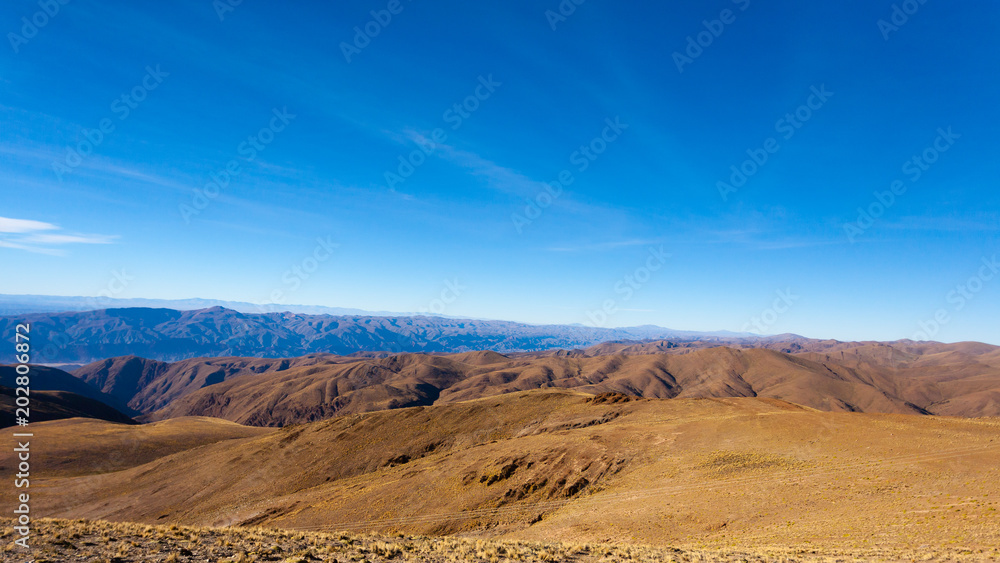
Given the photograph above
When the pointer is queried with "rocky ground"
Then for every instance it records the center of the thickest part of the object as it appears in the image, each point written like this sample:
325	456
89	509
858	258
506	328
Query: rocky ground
73	541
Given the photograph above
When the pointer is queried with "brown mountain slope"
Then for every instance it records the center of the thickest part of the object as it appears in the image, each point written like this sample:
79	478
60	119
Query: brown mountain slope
321	391
147	385
560	464
55	405
86	446
954	379
44	378
315	392
713	372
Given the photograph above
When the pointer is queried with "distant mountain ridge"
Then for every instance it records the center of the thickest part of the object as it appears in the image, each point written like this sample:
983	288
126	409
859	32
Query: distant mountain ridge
26	304
171	335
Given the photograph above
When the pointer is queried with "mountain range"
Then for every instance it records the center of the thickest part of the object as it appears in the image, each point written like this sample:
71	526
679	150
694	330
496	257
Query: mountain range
273	369
25	304
169	335
904	377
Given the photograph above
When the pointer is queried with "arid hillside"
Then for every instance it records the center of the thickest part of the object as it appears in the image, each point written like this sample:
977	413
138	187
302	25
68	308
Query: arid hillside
146	385
956	380
45	378
97	446
55	405
555	464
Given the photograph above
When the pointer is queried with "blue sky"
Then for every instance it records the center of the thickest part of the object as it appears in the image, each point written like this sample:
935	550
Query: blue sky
647	232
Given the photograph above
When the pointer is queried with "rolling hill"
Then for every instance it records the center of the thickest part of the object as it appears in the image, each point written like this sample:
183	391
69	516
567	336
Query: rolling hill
958	380
321	391
147	385
547	464
55	405
45	378
98	446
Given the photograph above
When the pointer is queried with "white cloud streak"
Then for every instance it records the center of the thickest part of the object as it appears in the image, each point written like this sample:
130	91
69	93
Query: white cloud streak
38	236
8	225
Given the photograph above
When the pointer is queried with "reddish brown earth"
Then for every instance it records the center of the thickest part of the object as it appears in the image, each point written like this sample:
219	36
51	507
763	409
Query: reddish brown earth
553	465
956	380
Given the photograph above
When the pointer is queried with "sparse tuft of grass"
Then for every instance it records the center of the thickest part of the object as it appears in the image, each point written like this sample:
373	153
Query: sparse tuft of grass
176	544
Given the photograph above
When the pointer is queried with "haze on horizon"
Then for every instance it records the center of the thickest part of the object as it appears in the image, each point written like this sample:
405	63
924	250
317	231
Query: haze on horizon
825	170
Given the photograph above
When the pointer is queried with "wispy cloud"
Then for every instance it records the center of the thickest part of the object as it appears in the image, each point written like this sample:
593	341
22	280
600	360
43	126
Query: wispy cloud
38	236
36	250
497	177
510	181
8	225
984	222
787	243
611	245
94	168
763	239
70	239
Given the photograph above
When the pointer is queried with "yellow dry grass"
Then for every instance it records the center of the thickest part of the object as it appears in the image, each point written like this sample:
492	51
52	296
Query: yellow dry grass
79	541
747	476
